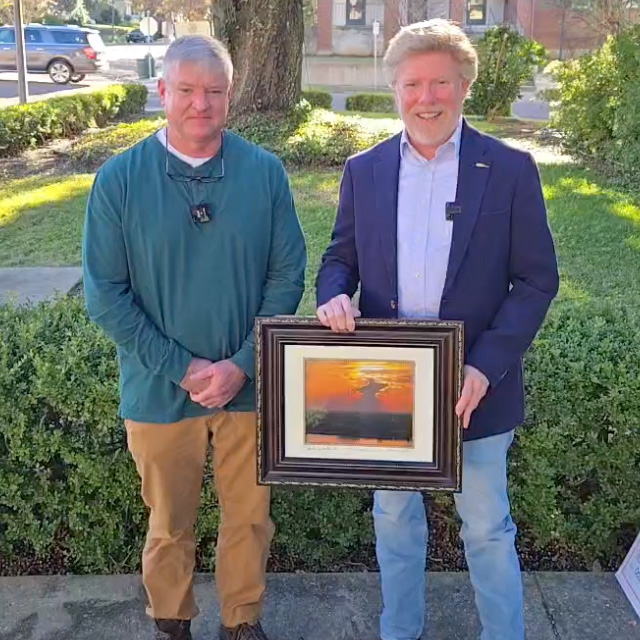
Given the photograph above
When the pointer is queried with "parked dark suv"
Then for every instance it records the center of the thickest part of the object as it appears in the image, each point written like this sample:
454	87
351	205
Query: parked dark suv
66	53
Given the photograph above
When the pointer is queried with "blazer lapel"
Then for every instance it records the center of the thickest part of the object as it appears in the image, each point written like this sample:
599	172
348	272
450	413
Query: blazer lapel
473	174
385	175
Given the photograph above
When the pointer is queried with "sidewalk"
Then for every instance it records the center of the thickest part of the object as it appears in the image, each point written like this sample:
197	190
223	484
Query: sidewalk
559	606
34	284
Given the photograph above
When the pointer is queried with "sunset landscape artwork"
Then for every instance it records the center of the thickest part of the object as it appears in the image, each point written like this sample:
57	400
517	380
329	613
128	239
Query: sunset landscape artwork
359	402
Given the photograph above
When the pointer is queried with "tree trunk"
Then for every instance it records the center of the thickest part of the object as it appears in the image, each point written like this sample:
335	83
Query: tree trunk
265	39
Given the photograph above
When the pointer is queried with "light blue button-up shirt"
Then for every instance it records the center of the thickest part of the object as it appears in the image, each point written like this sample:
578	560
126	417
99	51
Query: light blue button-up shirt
424	233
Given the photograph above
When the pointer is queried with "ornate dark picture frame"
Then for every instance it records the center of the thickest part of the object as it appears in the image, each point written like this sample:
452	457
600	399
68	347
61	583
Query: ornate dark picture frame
370	409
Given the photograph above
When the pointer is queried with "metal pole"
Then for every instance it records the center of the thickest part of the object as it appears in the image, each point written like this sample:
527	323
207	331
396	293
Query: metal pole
375	62
376	31
21	57
113	21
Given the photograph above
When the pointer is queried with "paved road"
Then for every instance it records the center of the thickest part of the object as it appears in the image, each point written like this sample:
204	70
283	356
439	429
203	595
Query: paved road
123	66
40	85
119	52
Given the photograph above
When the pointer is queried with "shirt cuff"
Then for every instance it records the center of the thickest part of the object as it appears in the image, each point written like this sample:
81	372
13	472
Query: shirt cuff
177	363
245	359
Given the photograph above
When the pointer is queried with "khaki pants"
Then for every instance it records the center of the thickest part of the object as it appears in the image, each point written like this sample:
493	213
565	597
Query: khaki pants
170	459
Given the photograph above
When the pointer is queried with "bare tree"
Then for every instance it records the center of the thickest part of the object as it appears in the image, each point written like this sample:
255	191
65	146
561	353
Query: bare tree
565	7
610	17
603	17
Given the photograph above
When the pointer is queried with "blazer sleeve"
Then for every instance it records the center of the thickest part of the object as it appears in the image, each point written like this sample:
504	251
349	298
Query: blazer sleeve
533	273
338	271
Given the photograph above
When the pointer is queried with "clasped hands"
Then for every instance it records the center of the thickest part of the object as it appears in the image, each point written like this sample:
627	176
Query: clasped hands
339	315
213	384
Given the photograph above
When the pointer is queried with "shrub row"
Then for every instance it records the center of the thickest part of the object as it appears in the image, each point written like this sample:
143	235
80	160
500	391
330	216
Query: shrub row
317	99
30	125
68	488
574	473
597	105
371	102
69	491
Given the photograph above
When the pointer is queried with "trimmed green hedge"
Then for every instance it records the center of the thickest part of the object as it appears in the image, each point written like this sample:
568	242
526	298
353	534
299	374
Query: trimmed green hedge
69	490
574	474
317	99
31	125
378	102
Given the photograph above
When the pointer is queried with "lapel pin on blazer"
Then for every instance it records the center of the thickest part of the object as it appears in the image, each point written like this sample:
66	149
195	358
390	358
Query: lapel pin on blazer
482	165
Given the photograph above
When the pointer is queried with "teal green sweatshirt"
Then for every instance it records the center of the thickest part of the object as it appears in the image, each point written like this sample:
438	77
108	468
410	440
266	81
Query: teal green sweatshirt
166	288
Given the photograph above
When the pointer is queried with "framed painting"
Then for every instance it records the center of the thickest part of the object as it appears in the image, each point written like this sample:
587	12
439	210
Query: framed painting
372	409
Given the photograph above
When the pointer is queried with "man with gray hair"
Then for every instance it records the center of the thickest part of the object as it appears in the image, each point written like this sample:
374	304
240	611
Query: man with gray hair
441	221
189	235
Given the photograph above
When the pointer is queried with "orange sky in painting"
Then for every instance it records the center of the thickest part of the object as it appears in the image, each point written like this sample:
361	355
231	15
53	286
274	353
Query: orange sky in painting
335	385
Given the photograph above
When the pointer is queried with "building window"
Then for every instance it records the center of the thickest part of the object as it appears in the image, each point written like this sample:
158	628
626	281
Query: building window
476	12
355	12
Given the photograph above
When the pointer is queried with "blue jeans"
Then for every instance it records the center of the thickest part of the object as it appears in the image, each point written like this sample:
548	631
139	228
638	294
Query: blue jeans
488	533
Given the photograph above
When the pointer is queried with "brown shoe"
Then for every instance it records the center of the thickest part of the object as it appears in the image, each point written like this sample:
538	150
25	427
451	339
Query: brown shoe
244	631
173	630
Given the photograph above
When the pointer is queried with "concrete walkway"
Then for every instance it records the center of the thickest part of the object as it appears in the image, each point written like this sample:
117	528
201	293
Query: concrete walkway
559	606
34	284
530	106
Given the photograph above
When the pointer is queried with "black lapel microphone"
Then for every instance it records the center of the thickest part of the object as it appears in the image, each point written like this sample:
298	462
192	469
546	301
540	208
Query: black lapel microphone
201	213
451	210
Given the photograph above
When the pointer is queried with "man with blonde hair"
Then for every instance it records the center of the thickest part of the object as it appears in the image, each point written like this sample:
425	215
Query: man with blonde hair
189	235
441	221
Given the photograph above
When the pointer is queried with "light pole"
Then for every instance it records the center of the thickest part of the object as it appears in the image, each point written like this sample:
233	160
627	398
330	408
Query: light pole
376	31
113	20
21	58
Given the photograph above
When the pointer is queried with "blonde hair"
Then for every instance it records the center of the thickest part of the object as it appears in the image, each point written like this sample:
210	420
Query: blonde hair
429	36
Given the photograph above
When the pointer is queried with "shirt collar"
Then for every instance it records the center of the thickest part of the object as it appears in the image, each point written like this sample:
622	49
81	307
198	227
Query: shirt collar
456	137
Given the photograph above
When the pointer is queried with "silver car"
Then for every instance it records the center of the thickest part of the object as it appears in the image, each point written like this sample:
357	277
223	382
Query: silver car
66	53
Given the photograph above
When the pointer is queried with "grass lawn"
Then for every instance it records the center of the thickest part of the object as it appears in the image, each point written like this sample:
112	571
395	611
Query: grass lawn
41	220
596	228
597	233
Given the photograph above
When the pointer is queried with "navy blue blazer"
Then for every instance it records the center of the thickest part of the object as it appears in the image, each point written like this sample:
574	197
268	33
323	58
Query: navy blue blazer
502	273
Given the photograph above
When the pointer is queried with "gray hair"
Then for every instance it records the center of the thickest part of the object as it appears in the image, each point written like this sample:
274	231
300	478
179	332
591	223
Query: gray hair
427	37
200	50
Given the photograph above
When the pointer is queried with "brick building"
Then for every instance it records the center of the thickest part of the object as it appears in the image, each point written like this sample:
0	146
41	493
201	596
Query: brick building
345	27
